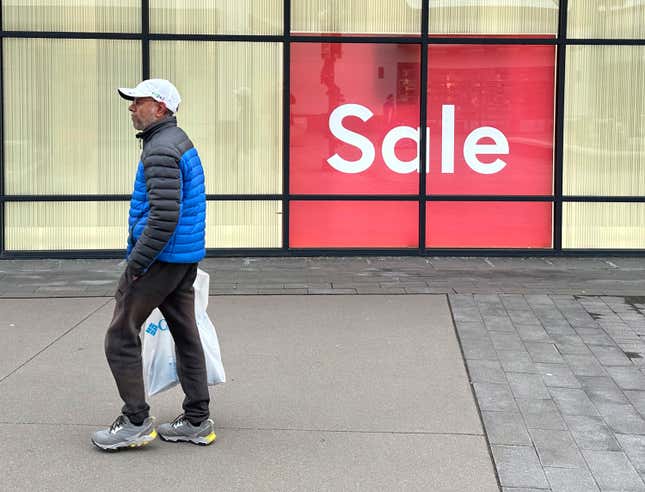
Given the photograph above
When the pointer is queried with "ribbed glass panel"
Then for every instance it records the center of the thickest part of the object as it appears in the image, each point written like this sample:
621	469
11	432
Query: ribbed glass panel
232	111
60	226
618	19
603	225
216	16
493	17
72	15
237	224
356	16
66	129
604	131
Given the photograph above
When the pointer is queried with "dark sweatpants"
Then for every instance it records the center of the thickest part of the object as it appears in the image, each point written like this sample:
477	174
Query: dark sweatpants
168	286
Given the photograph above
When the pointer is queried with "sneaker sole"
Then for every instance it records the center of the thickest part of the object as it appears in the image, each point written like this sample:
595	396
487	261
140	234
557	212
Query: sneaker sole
201	441
137	443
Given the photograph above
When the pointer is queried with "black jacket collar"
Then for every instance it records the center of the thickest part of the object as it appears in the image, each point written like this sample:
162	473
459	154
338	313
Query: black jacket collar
167	122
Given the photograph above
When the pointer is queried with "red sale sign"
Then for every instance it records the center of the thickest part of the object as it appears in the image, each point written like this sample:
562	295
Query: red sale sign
355	129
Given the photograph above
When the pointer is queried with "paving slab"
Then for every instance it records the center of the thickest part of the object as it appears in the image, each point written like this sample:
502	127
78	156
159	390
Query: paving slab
59	458
323	393
29	325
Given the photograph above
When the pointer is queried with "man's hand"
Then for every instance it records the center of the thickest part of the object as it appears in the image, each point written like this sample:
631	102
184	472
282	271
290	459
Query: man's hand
130	275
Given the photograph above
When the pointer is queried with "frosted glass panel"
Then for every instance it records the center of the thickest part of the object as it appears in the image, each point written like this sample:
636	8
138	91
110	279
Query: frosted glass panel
356	16
72	15
232	111
603	225
216	16
237	224
533	17
604	132
616	19
66	225
65	133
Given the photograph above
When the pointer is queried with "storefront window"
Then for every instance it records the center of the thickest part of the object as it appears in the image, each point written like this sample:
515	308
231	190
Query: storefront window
65	133
483	17
490	119
62	226
216	16
231	109
356	17
72	15
606	20
353	224
604	132
489	224
354	118
241	224
603	225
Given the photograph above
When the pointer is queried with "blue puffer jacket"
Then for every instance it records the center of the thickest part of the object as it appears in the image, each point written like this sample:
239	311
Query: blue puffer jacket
168	206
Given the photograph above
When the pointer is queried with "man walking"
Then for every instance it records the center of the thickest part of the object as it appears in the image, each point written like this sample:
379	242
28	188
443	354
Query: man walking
166	241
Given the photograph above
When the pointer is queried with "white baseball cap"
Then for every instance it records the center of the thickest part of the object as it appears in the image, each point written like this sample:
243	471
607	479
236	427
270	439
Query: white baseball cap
159	89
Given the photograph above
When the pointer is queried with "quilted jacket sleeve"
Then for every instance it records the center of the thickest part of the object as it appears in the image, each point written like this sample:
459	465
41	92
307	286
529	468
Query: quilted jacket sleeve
163	187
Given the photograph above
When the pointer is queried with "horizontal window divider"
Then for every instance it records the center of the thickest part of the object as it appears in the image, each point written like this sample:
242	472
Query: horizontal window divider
300	252
64	198
276	38
366	198
420	40
116	198
493	40
412	251
241	252
276	197
256	198
489	198
638	253
489	252
70	35
295	38
270	38
90	254
613	42
604	199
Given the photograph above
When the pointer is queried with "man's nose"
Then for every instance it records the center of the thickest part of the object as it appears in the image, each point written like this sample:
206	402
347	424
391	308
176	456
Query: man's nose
131	107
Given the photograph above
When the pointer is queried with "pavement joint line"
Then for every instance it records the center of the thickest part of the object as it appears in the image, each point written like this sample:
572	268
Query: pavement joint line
4	378
276	429
466	367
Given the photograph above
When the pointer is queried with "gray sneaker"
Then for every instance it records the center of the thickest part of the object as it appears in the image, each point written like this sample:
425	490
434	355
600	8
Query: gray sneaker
124	434
182	430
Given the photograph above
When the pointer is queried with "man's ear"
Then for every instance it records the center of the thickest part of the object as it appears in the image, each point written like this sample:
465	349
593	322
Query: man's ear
163	110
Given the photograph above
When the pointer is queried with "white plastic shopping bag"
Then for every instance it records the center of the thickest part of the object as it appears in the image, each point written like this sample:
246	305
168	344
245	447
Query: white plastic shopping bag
159	358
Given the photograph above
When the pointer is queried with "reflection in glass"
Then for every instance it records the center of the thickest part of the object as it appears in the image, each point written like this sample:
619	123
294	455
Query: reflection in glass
490	114
354	118
216	16
356	17
65	134
60	226
603	225
622	19
604	132
238	224
72	15
232	111
483	17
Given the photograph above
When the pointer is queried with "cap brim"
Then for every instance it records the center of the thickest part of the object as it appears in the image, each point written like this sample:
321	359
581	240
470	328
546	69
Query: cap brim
128	94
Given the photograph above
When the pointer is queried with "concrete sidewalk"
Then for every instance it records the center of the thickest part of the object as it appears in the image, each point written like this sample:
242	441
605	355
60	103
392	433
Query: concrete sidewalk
360	374
324	393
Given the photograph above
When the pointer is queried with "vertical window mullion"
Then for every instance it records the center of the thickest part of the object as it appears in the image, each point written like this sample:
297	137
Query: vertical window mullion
423	123
559	128
145	39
